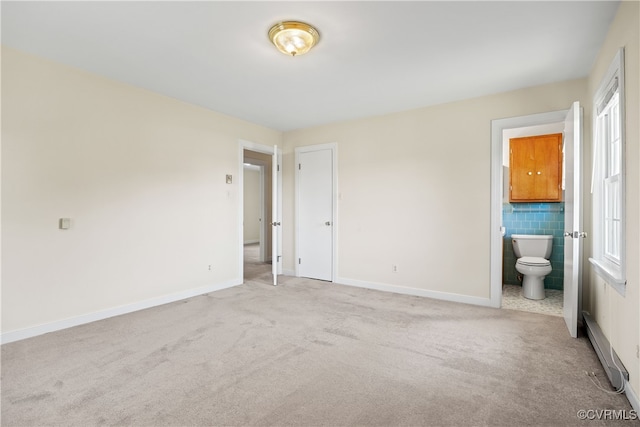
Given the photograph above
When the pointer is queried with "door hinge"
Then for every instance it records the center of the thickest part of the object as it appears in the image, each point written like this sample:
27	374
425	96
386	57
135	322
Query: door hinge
278	168
575	234
299	166
299	260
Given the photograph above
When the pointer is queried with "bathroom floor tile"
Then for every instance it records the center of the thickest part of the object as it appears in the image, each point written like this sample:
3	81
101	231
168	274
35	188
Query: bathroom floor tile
512	299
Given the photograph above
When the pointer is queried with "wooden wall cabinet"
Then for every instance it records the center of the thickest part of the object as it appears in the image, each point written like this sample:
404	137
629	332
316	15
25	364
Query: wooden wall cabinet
535	166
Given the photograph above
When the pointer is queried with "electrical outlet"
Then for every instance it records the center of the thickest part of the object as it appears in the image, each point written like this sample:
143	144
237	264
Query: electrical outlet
209	267
394	268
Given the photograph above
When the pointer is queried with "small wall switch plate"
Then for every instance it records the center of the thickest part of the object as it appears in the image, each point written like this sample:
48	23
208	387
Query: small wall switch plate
229	179
64	223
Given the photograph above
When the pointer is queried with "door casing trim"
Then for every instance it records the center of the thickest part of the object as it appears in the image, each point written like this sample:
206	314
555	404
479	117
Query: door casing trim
495	237
259	148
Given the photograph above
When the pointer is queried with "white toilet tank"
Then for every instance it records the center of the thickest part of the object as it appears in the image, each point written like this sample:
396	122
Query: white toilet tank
532	245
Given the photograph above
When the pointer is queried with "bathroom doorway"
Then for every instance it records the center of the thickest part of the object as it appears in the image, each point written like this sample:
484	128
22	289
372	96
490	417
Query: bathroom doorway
502	130
573	235
531	219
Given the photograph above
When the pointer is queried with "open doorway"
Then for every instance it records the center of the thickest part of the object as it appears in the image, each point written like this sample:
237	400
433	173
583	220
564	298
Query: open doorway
539	219
572	183
257	256
501	130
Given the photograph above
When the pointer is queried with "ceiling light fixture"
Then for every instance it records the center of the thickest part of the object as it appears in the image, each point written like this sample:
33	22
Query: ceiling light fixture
293	37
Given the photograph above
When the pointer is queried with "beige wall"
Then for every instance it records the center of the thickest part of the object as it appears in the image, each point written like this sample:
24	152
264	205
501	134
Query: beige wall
142	177
619	317
414	190
251	211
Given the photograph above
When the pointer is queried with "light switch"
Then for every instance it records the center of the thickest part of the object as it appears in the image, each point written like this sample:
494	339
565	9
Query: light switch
64	223
229	179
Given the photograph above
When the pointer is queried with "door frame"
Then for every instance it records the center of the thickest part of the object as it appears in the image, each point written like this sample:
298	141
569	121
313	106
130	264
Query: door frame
495	236
265	149
334	200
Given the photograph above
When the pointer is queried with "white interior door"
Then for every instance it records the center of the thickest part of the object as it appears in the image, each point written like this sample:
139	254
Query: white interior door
573	218
275	216
315	214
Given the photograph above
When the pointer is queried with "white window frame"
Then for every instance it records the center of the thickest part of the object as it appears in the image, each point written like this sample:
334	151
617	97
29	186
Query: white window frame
608	178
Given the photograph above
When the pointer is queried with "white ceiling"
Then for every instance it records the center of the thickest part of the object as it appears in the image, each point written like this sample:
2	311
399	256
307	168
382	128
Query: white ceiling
373	57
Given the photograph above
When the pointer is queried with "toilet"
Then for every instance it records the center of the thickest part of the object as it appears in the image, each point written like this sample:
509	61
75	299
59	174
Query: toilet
533	252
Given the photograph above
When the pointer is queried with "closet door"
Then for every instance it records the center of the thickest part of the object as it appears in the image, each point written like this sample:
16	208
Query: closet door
315	209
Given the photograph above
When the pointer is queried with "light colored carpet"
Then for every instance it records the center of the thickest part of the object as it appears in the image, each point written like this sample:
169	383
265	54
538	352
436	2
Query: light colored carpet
305	353
253	268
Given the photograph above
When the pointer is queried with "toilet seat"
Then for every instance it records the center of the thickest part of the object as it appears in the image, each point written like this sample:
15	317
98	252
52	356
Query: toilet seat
533	261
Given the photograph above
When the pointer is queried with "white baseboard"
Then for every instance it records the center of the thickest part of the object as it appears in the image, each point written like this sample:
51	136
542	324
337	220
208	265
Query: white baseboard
486	302
33	331
632	396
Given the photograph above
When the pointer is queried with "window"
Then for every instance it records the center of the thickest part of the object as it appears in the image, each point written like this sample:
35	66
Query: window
608	177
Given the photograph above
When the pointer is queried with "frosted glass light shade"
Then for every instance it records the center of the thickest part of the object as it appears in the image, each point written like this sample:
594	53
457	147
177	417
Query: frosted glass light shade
293	37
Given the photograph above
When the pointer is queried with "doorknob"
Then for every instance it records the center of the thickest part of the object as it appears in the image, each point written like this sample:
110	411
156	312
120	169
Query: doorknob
328	223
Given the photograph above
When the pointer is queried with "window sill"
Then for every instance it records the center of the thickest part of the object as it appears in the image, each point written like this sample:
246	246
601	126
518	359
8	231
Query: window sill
612	275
